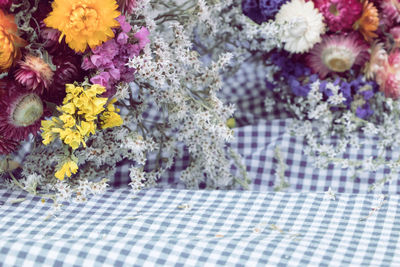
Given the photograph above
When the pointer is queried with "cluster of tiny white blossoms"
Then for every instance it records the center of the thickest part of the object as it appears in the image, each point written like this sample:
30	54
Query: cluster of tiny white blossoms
184	91
316	122
172	108
245	43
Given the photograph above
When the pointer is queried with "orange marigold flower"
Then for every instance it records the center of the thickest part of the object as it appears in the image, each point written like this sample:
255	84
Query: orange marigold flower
84	22
368	22
10	42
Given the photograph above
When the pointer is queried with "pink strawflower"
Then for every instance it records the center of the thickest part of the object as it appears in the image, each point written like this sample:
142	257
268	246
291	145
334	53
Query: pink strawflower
339	14
377	61
395	32
34	73
5	4
390	11
388	78
337	53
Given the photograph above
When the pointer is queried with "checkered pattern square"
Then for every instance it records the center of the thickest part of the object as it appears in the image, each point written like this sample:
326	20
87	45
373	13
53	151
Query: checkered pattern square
201	228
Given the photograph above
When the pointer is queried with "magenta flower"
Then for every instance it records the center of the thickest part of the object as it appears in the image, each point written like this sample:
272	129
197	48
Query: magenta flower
109	59
390	12
101	79
143	36
125	26
340	15
5	4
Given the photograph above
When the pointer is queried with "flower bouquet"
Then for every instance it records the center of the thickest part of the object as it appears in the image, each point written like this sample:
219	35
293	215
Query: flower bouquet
334	66
90	83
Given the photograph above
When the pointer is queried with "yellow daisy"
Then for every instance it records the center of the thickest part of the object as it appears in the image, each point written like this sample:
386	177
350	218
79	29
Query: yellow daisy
84	22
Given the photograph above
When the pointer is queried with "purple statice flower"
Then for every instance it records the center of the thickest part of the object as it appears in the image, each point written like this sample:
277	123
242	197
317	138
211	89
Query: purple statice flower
364	111
125	26
142	35
299	78
101	79
261	10
297	75
109	59
354	89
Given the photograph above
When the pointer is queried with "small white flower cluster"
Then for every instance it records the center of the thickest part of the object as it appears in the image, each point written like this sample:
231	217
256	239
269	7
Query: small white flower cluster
184	90
31	182
171	107
235	33
83	188
317	122
337	97
138	179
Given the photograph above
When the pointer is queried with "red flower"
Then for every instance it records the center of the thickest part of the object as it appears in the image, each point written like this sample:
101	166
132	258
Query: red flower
67	71
7	146
21	113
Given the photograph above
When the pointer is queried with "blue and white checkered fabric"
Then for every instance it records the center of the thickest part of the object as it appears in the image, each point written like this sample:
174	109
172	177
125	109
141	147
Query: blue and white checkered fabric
202	228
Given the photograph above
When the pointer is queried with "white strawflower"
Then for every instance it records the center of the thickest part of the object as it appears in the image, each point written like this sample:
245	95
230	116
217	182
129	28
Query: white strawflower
302	25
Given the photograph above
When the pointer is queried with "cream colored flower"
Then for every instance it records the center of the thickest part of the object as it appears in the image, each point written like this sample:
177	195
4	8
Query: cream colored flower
302	25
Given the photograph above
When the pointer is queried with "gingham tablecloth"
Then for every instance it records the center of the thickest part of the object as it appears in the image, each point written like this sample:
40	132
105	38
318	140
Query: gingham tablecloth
202	228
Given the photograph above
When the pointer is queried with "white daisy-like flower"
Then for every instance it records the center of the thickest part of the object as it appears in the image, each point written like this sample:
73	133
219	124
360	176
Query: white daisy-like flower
302	25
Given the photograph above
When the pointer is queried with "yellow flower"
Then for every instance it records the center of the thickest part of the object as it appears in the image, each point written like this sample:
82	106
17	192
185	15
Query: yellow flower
69	121
90	106
47	127
71	137
110	119
10	42
67	168
72	92
95	89
231	123
87	127
81	113
68	108
110	106
84	22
